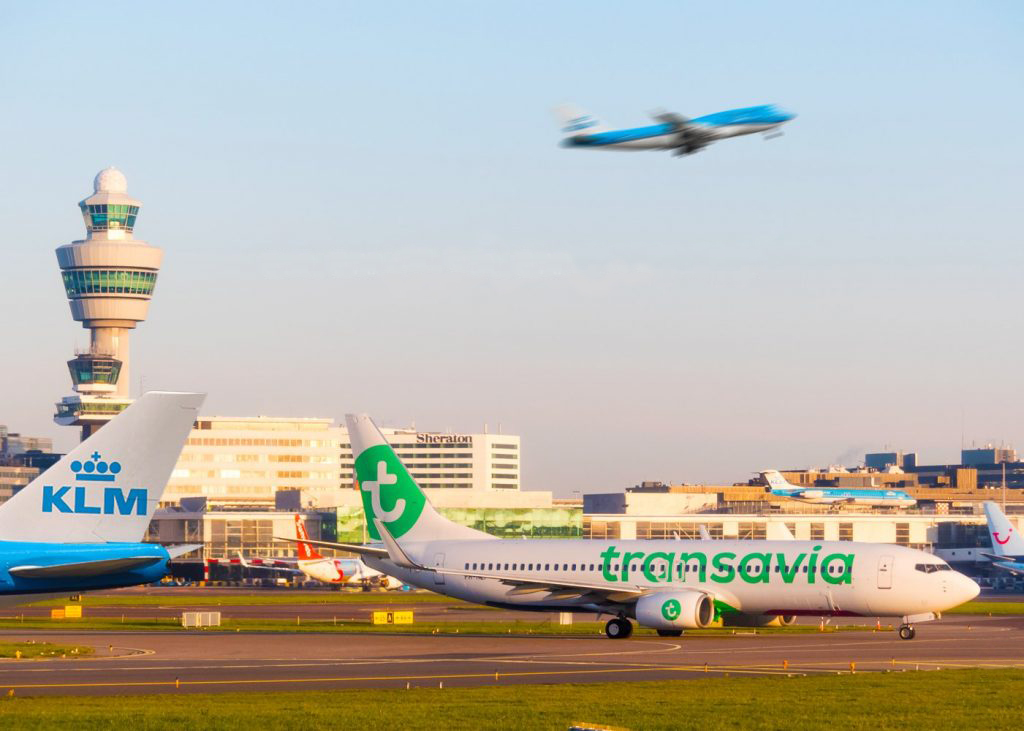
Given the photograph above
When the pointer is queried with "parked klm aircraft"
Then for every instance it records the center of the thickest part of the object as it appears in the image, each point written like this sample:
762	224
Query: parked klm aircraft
776	484
79	525
1007	542
675	132
668	585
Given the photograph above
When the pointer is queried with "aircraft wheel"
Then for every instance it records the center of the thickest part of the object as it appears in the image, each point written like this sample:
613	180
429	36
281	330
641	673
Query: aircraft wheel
670	633
907	632
618	629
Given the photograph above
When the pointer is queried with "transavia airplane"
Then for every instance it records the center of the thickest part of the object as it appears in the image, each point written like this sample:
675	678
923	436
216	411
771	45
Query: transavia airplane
79	525
668	585
335	571
1007	543
776	484
675	132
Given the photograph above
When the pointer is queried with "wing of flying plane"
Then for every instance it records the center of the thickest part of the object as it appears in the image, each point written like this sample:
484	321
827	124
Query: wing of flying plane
83	568
690	137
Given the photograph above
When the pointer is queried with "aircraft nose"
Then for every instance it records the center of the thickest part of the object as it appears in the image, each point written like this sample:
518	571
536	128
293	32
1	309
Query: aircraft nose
963	588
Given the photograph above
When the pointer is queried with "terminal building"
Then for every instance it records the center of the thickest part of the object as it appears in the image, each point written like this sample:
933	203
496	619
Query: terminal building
246	461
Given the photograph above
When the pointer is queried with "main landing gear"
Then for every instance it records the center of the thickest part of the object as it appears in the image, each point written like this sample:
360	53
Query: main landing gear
619	628
906	632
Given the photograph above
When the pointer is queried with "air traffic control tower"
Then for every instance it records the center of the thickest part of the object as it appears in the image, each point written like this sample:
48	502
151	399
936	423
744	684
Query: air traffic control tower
109	278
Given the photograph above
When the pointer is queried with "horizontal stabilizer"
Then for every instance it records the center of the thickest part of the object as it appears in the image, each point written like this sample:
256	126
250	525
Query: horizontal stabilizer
359	548
175	551
84	569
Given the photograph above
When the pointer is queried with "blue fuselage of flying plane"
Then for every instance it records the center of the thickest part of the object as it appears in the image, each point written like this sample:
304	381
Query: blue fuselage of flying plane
672	132
41	568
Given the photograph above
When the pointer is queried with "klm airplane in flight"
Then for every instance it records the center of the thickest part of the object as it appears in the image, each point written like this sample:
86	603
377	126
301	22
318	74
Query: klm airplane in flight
776	484
682	135
79	525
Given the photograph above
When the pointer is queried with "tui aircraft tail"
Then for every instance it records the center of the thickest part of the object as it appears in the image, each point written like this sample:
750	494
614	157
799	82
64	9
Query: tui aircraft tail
106	488
1006	540
390	496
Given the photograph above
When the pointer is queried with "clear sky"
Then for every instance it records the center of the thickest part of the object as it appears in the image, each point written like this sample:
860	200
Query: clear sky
363	207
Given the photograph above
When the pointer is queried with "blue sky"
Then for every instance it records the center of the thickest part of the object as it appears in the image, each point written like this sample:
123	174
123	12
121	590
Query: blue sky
365	208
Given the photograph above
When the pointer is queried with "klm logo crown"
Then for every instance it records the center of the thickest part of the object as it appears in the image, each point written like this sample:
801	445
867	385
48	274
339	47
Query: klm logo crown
96	470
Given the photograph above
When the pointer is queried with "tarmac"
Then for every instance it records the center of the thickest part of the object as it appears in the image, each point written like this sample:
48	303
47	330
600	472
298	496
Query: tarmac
211	661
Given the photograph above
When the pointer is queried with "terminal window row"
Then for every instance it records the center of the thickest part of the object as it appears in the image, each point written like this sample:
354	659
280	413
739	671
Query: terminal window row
229	442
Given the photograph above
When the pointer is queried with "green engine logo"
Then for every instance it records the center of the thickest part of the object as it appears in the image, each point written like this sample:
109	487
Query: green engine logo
671	610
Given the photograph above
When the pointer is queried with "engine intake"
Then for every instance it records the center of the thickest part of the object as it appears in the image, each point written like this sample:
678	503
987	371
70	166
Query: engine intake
675	610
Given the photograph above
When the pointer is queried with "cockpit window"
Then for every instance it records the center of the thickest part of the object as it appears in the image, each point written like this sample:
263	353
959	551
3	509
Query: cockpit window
930	568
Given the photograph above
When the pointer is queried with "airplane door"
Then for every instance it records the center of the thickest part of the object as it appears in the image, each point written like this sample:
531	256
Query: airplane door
885	572
439	563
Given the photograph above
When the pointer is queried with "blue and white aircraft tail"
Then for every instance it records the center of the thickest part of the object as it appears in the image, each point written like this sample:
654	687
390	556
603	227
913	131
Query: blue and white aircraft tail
106	489
79	526
682	135
1007	542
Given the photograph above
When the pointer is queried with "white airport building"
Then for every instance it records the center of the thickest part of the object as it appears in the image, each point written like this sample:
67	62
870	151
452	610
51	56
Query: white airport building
246	461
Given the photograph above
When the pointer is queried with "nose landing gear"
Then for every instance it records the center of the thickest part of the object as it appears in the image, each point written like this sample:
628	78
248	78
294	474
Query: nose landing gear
907	632
619	628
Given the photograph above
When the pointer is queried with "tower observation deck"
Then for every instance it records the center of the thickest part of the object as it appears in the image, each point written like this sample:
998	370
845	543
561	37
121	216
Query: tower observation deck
109	278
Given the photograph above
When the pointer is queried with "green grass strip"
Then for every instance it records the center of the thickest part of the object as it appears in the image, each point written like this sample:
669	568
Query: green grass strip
993	608
40	649
948	700
265	598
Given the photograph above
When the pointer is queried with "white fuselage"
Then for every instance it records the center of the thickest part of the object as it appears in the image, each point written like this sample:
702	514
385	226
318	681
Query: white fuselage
757	577
671	141
343	571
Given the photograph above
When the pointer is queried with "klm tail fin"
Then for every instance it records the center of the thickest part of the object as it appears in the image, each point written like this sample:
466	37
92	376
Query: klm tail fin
106	488
306	550
391	496
775	480
1006	540
576	122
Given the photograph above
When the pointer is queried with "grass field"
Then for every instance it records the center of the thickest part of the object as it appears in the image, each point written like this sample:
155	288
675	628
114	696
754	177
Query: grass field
40	649
255	598
934	701
993	608
541	626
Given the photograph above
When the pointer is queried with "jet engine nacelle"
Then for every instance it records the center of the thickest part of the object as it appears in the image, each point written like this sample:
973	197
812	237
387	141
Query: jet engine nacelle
675	610
812	494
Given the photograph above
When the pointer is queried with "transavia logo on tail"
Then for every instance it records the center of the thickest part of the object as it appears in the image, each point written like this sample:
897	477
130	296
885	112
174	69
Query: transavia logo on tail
110	500
671	610
389	494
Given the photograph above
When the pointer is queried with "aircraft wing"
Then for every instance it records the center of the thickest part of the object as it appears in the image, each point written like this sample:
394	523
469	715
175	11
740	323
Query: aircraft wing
83	569
556	589
689	137
359	548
